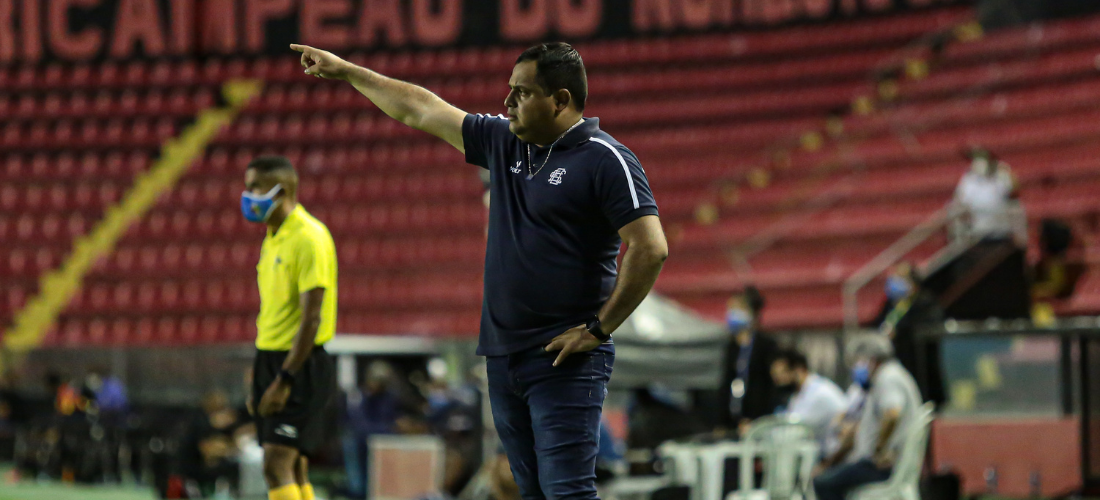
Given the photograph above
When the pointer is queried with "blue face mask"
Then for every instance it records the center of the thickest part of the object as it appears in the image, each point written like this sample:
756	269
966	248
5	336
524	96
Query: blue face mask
861	375
437	400
738	320
897	287
259	207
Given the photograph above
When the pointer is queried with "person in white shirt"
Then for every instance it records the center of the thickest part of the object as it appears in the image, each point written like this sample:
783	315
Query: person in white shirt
986	198
889	412
815	400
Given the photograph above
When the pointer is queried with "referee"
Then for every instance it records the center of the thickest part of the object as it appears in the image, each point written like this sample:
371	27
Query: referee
293	377
565	197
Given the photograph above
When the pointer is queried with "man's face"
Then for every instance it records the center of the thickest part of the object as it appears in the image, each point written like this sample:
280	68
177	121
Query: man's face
982	166
257	183
782	374
530	111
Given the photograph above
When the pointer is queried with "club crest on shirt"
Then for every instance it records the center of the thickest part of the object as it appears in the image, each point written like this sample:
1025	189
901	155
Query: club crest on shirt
555	176
515	169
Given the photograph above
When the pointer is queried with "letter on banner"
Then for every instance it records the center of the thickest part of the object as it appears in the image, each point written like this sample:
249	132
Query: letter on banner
722	10
137	20
385	16
436	28
316	27
695	14
849	7
878	5
817	9
7	31
519	24
653	15
219	26
66	45
778	11
32	32
256	15
183	26
578	20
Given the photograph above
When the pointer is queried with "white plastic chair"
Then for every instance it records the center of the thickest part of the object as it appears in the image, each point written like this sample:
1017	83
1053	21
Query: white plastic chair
681	468
788	450
904	481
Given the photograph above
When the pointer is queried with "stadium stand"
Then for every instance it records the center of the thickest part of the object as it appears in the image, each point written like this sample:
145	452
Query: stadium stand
806	151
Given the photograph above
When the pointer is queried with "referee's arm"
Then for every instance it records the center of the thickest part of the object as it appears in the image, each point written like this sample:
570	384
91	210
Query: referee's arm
410	104
275	397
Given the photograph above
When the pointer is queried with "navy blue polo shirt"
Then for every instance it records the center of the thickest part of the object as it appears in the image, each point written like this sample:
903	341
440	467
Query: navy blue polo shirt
553	239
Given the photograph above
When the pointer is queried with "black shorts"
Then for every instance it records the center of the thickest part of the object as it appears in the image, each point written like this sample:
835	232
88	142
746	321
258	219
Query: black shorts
302	422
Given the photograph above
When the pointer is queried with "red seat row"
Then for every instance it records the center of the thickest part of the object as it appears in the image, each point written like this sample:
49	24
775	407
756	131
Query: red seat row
86	134
106	104
196	295
41	198
65	166
413	156
1066	34
153	330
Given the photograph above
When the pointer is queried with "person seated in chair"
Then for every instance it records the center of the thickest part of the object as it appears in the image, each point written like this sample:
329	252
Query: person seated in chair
815	400
890	411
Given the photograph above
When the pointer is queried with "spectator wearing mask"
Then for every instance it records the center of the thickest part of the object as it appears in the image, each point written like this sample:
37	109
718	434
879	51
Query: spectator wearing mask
815	400
370	410
748	391
909	308
985	199
888	414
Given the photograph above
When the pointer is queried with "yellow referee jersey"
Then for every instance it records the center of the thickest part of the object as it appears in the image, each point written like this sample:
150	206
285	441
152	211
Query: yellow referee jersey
299	257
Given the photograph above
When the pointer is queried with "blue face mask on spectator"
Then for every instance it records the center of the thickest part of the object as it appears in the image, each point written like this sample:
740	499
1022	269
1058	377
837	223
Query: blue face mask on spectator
438	400
861	375
897	287
259	207
738	319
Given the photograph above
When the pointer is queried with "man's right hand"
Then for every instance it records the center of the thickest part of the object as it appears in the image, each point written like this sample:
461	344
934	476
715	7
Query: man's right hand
322	63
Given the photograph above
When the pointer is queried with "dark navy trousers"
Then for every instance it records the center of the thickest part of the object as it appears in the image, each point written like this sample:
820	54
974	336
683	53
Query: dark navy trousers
548	419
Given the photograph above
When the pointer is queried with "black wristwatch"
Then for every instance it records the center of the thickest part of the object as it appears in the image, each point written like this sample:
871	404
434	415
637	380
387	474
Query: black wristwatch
596	330
286	376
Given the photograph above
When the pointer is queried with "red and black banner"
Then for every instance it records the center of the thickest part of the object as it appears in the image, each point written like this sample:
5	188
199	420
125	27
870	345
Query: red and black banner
33	31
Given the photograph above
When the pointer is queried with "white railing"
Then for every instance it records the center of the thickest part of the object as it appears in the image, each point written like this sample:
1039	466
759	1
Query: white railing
948	216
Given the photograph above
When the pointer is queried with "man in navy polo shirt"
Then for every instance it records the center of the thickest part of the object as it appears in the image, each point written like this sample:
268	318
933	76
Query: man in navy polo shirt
565	196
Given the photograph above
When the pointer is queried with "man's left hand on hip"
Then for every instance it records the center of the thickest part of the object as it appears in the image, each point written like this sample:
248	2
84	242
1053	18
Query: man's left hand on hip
576	339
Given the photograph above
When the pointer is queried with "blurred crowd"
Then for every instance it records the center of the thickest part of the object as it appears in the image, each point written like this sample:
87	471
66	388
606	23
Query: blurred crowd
859	429
84	430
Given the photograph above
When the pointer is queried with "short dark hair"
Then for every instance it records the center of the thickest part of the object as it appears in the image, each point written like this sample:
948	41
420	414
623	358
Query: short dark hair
753	299
269	164
793	358
559	66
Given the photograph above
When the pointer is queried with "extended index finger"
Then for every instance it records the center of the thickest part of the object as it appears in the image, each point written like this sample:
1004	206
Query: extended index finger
299	48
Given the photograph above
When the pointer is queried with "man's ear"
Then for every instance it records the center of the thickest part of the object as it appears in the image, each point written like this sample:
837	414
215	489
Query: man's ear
562	98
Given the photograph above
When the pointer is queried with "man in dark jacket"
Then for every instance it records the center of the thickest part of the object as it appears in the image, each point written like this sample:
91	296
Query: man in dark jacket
909	308
748	391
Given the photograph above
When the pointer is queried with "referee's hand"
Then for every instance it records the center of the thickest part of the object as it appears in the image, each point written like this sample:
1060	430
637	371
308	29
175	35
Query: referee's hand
274	398
576	339
322	63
